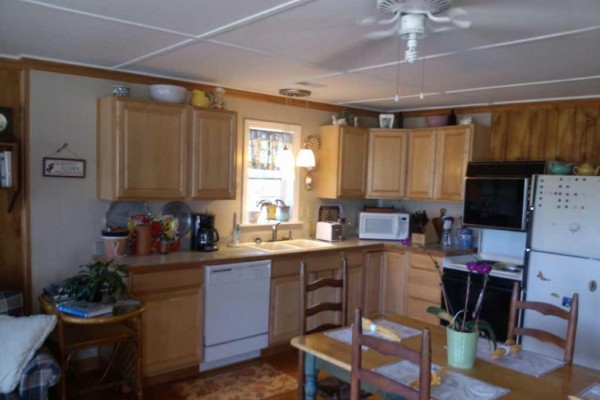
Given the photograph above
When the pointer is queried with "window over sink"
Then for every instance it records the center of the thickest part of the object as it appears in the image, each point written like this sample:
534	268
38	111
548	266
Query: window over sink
267	183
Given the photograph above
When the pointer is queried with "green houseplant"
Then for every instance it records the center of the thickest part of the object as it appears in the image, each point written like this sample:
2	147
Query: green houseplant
100	281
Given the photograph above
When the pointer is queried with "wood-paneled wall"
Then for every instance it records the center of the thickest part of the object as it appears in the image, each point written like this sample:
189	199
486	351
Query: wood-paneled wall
553	132
13	273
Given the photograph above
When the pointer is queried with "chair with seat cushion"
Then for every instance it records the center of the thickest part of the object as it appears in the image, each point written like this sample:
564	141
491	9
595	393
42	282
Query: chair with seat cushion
329	387
23	363
567	343
382	383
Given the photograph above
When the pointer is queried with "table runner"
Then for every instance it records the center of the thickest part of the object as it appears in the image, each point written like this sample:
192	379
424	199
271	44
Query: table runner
454	385
523	361
345	334
591	392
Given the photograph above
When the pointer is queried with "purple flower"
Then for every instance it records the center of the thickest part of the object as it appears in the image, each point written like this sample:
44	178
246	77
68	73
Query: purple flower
479	267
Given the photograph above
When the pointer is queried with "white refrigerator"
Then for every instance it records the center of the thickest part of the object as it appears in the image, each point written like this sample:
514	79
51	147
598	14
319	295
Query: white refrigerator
563	259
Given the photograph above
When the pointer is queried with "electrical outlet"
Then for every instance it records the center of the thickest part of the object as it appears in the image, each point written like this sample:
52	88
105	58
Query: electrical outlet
566	302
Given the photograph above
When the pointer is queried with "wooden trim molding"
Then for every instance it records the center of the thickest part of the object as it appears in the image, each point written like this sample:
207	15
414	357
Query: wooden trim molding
94	72
551	104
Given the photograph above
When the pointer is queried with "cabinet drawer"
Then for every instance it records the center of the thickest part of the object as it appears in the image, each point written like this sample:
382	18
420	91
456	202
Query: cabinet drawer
167	280
417	309
423	285
324	262
285	267
422	261
354	259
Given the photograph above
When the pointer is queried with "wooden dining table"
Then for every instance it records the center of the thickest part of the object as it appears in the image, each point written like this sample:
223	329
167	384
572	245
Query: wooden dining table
324	353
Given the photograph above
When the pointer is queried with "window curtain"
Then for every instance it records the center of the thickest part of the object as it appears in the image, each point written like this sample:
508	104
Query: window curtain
264	146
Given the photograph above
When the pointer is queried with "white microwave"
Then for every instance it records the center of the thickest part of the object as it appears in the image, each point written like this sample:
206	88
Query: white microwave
384	226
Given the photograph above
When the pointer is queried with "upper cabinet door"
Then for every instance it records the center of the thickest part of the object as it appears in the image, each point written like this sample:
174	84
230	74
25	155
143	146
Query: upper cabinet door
421	163
386	172
453	150
352	162
142	150
213	154
341	162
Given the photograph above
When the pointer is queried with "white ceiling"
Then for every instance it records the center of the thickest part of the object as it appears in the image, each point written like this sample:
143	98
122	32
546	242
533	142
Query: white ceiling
515	50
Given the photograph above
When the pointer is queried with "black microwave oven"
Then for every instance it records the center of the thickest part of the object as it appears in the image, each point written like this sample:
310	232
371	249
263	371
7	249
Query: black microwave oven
496	202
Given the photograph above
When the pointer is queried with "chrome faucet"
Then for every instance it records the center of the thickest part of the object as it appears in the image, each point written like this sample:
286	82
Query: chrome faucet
274	228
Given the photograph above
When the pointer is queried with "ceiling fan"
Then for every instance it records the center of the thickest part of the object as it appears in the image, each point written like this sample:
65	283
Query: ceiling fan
413	19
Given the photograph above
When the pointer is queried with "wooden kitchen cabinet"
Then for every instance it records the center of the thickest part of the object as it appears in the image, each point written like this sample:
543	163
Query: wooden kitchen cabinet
213	144
142	149
373	284
423	287
355	262
386	170
396	274
151	150
173	329
284	307
438	157
341	162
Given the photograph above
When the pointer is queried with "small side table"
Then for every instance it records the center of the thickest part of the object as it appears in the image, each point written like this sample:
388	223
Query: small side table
123	331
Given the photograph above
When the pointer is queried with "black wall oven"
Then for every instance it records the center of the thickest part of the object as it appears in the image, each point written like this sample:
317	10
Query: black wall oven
496	300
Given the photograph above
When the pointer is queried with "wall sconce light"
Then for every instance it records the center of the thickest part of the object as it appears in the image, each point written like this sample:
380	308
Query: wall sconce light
306	159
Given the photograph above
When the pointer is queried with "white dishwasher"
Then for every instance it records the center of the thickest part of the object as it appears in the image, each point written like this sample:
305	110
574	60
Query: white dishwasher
236	312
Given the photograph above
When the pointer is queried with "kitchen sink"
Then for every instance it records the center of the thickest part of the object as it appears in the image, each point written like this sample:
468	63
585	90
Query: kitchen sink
308	244
287	245
271	247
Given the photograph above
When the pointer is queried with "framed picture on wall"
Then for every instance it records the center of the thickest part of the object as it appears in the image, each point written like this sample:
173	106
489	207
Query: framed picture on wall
6	123
63	167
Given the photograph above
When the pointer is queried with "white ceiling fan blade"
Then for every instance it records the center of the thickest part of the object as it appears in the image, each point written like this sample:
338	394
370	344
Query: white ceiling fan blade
382	34
461	24
456	12
369	21
444	28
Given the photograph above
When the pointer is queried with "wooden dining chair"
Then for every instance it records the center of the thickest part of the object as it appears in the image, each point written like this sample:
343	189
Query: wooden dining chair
339	283
386	385
567	343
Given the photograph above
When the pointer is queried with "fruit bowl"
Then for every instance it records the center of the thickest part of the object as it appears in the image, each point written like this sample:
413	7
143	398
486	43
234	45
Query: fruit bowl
168	93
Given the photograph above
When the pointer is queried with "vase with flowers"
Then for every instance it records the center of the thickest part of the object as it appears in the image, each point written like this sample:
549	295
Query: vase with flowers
464	325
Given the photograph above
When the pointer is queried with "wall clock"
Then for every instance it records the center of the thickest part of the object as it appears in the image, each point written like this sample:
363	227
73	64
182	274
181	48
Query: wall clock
5	123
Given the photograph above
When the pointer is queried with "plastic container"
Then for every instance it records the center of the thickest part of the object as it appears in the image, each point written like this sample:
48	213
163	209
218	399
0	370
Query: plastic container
465	238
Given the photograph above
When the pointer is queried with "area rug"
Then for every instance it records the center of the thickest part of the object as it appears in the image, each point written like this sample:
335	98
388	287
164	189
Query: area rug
252	382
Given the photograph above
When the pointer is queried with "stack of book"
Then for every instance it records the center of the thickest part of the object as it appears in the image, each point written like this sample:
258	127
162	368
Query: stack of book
84	309
6	168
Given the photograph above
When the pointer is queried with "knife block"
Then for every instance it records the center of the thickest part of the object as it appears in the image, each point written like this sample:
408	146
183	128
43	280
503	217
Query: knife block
429	237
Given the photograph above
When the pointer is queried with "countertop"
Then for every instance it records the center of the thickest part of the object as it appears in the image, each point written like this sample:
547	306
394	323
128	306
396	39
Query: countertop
225	254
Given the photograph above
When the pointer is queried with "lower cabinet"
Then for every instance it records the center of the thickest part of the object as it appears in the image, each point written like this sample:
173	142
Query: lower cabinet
395	273
285	312
373	284
423	289
173	321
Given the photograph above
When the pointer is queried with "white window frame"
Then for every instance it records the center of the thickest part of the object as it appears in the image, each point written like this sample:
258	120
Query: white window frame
296	131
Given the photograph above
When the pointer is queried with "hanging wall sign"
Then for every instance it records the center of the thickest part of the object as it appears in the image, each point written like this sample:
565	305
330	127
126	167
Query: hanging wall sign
64	167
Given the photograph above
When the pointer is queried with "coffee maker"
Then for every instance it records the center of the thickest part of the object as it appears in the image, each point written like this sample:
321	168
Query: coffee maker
204	234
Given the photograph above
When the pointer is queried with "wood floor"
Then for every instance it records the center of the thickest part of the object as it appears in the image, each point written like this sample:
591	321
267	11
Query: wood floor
286	362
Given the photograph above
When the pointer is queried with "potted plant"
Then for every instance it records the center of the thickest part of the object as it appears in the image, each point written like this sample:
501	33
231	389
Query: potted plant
100	281
464	325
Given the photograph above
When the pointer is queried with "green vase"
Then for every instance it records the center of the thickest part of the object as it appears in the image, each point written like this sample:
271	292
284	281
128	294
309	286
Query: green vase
462	348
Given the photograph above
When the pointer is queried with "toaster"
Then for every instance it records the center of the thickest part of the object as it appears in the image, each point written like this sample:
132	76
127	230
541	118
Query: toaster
329	231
